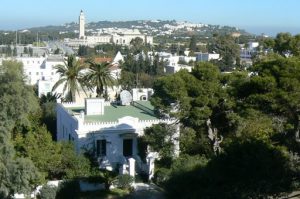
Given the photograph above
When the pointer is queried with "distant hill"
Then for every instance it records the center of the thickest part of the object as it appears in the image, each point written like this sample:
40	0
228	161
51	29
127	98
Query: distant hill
151	27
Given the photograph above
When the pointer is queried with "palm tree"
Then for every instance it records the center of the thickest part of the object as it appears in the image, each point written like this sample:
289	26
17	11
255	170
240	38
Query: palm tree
99	76
49	97
71	77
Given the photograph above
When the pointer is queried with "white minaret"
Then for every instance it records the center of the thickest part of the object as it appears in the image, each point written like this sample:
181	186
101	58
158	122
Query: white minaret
81	25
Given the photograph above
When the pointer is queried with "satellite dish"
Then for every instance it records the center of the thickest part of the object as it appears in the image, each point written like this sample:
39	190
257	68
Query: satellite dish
126	97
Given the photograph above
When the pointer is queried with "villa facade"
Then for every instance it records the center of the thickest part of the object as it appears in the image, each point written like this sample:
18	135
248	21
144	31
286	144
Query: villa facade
110	131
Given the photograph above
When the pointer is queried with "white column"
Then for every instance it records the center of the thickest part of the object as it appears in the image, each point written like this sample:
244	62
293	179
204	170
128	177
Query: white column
150	163
131	166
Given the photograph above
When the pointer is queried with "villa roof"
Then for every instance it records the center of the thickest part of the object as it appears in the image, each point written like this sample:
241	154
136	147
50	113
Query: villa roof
144	111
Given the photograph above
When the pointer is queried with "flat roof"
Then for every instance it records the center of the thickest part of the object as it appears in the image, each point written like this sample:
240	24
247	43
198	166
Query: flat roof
140	109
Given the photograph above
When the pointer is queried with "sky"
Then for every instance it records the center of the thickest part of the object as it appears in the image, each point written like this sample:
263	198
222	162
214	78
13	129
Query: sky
255	16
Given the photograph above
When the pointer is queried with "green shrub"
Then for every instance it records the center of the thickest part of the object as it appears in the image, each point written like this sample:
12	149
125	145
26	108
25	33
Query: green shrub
161	176
47	192
124	181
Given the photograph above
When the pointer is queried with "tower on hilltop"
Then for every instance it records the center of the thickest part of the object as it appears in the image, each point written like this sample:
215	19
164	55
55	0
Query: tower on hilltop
81	25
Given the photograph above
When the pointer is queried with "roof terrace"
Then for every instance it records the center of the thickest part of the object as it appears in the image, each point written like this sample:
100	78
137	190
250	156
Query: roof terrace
143	110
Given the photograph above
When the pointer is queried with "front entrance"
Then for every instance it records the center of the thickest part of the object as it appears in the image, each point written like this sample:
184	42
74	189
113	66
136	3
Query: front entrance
127	147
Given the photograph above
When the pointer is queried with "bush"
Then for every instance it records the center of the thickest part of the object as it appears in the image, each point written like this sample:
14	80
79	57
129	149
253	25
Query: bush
47	192
246	169
161	176
124	181
69	189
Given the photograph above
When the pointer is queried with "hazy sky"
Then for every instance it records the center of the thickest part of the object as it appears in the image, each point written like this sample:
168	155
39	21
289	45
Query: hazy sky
256	16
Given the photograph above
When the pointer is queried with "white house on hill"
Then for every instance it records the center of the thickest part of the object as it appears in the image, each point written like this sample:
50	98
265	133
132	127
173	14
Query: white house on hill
109	130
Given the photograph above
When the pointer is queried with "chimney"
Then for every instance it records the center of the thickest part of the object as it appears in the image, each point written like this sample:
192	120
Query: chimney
94	106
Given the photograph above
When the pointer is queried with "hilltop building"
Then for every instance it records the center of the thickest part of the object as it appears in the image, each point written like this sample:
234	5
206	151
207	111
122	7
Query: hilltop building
115	36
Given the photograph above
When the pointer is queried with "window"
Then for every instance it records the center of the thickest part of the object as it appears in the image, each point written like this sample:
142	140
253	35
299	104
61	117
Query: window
37	73
124	41
127	147
101	147
29	73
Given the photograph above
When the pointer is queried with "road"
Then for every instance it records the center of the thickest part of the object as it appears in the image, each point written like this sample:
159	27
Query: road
53	45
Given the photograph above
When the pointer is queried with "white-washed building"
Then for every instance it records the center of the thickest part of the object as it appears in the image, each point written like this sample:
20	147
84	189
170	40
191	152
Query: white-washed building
40	71
111	131
116	36
206	56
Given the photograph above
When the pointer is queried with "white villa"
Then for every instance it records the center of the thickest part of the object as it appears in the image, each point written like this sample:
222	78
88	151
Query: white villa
110	130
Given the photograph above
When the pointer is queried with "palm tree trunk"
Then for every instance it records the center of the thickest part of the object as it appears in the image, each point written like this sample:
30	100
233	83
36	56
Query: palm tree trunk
73	97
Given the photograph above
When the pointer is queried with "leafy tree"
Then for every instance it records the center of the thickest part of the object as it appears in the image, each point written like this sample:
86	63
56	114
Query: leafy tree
295	45
99	76
82	50
54	160
17	101
46	154
30	50
228	50
267	43
246	169
25	176
136	45
25	50
57	51
191	98
15	51
141	71
283	43
8	51
48	106
70	77
193	43
73	165
160	138
127	80
275	91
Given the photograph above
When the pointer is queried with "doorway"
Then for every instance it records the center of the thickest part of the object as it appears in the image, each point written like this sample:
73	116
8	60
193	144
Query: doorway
127	147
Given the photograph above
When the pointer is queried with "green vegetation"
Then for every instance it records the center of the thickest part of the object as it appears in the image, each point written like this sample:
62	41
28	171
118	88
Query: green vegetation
71	77
239	131
99	76
255	119
39	44
140	72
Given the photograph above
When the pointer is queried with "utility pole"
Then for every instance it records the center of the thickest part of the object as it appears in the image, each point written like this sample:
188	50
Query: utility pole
37	39
16	37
